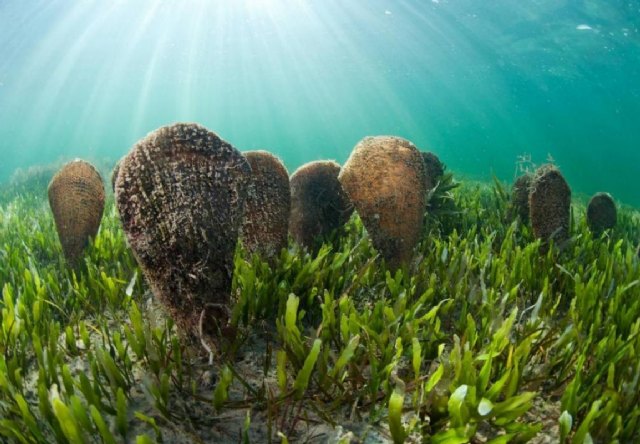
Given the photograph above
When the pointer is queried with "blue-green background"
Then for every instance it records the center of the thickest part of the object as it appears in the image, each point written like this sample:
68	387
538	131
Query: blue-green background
478	82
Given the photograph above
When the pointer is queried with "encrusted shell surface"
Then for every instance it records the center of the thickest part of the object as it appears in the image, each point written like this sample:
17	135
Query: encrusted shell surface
76	196
319	205
550	205
385	179
180	194
520	197
601	213
266	220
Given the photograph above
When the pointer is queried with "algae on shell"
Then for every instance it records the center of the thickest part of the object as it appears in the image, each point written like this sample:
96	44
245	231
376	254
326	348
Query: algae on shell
180	194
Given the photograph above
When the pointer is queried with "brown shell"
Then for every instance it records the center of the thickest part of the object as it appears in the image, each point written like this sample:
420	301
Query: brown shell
266	220
319	205
520	197
180	195
434	168
76	197
385	179
601	213
550	205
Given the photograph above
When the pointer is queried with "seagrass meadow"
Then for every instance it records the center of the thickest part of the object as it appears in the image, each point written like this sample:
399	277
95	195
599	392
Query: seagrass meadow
480	338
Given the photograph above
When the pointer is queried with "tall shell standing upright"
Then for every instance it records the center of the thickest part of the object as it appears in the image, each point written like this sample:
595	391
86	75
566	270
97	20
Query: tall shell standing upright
76	197
266	217
601	213
180	194
319	205
385	179
550	205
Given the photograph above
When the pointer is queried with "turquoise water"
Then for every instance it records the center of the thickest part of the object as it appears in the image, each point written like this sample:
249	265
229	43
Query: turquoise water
478	82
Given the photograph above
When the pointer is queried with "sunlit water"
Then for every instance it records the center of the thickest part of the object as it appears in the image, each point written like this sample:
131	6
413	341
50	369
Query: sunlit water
478	82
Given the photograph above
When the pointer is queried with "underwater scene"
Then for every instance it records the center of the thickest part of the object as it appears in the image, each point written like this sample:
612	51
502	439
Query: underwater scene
319	221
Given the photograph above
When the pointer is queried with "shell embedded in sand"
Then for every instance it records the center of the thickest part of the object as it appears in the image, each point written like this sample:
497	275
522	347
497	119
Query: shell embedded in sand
266	220
76	197
601	213
180	194
319	205
385	179
520	197
550	205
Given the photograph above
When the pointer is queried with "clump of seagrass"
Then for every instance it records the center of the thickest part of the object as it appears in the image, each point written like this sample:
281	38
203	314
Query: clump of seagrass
550	205
434	168
266	220
601	213
180	194
319	205
520	198
385	179
76	197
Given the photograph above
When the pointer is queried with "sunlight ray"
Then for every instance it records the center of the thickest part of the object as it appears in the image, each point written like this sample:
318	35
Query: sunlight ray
114	75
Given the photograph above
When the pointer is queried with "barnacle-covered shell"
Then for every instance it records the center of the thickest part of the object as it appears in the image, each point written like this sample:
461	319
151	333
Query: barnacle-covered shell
319	205
180	194
520	197
385	179
266	220
76	197
601	213
550	205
